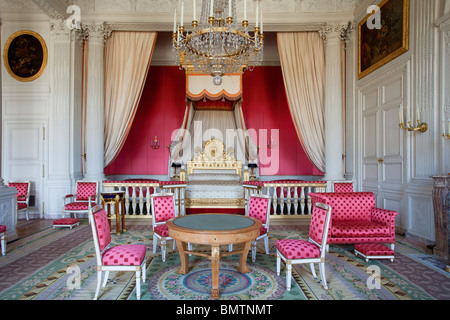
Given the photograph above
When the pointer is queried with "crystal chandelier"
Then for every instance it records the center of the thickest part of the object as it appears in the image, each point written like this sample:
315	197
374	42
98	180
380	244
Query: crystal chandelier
216	44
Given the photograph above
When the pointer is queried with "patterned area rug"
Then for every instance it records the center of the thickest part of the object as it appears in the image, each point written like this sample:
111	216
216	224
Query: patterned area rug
60	265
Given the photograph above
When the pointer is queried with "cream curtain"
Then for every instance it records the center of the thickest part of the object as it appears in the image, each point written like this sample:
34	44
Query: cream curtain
127	61
302	59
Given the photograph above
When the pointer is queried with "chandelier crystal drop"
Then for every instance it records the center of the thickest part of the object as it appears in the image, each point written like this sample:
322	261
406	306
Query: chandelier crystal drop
217	44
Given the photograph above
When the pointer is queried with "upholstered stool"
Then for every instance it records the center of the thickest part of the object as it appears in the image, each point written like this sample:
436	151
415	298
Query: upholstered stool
3	239
66	223
374	251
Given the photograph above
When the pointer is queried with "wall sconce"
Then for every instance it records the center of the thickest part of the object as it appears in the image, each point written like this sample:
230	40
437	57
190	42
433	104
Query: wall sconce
444	134
421	126
175	166
155	143
272	144
252	167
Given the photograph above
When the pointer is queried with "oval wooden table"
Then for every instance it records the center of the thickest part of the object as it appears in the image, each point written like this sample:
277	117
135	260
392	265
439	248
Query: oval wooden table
214	230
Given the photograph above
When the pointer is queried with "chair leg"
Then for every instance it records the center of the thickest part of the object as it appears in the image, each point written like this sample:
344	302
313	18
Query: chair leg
230	247
105	281
163	249
313	270
253	251
288	276
392	246
155	239
99	283
138	284
322	275
266	244
26	215
278	264
3	244
144	271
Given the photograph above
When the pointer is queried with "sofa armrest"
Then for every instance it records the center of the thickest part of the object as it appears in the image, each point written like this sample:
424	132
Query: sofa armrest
384	217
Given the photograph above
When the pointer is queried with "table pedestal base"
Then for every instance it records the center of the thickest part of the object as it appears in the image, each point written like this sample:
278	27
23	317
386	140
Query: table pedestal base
215	262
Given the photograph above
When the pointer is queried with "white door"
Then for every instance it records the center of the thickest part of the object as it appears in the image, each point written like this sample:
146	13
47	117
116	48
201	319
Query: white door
23	157
382	162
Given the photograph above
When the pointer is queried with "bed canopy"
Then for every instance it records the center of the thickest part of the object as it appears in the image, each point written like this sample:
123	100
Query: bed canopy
213	112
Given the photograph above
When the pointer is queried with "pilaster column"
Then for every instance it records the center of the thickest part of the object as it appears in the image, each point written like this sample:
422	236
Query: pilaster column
97	33
7	195
334	134
60	113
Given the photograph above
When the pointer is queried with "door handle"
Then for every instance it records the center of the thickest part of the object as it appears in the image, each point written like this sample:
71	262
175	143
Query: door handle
380	160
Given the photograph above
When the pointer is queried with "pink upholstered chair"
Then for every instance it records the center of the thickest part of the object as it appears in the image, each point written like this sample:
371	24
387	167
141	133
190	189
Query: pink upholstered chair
85	198
126	257
294	251
343	186
3	238
163	209
259	208
22	197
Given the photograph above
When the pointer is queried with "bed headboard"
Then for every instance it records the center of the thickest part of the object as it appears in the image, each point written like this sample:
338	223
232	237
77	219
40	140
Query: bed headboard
214	157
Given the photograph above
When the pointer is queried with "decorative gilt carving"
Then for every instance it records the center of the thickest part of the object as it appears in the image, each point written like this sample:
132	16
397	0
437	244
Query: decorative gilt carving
214	157
215	203
215	254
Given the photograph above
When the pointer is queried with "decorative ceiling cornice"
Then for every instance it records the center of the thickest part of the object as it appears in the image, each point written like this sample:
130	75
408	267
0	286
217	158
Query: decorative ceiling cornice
149	26
157	15
54	9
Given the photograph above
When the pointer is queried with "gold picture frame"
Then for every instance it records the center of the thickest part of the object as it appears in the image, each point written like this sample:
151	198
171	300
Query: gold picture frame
25	55
378	46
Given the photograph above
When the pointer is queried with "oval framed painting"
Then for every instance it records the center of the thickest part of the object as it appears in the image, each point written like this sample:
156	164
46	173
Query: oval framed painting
25	55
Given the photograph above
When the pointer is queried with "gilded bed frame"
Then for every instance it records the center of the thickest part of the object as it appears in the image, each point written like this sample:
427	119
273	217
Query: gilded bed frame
214	157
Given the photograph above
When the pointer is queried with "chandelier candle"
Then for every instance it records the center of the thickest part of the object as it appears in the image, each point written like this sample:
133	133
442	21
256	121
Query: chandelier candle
195	7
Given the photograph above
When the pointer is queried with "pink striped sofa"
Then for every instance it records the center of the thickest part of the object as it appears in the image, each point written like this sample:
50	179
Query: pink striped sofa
355	219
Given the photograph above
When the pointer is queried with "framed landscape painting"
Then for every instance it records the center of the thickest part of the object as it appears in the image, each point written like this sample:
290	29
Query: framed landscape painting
383	35
25	55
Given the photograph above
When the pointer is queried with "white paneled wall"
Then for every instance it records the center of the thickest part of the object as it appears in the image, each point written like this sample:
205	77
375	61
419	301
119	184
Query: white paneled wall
25	118
393	163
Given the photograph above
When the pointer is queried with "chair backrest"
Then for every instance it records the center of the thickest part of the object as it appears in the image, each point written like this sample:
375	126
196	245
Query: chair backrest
86	189
23	189
341	187
259	208
347	206
319	225
100	230
163	207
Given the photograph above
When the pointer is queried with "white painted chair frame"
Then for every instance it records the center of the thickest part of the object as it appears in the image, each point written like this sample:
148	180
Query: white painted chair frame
27	200
73	197
320	260
156	236
265	225
3	242
333	183
139	270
